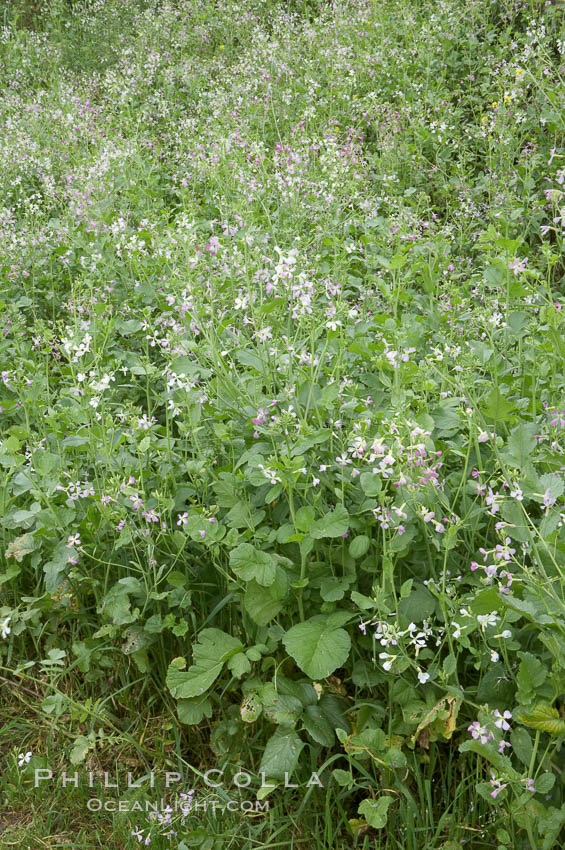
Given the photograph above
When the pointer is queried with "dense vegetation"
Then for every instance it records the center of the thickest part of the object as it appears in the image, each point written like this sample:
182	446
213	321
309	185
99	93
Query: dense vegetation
282	421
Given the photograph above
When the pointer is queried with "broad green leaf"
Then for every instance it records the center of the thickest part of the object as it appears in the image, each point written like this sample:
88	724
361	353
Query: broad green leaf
370	484
214	647
239	665
281	754
116	604
446	417
522	745
531	676
318	646
249	563
418	606
520	444
304	519
552	482
512	513
359	546
192	711
375	812
264	603
333	524
546	718
496	408
20	547
318	726
332	589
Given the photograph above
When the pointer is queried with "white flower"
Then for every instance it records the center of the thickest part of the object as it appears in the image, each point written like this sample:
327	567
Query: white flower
485	620
24	758
502	719
5	628
388	660
517	492
423	677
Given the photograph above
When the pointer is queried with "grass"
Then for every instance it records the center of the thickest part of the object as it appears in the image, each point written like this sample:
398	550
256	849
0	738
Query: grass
282	411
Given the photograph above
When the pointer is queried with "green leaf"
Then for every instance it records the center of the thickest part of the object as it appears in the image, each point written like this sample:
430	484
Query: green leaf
496	408
552	482
359	546
489	752
193	711
249	563
446	417
546	718
318	726
332	589
520	444
333	524
20	547
116	604
264	603
239	665
513	514
418	606
56	566
531	676
376	812
370	484
79	750
214	647
304	518
318	646
282	709
522	746
365	674
281	754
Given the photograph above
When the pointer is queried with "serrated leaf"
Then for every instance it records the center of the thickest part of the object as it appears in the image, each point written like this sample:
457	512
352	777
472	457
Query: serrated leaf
552	482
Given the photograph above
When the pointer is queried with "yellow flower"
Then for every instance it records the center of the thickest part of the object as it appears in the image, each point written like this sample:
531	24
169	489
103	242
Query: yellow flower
494	104
484	119
519	72
222	46
507	98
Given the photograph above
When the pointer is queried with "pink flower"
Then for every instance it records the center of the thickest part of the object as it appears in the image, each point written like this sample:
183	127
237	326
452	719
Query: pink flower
517	265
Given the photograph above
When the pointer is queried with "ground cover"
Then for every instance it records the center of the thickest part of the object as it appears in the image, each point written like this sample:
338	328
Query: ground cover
282	415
